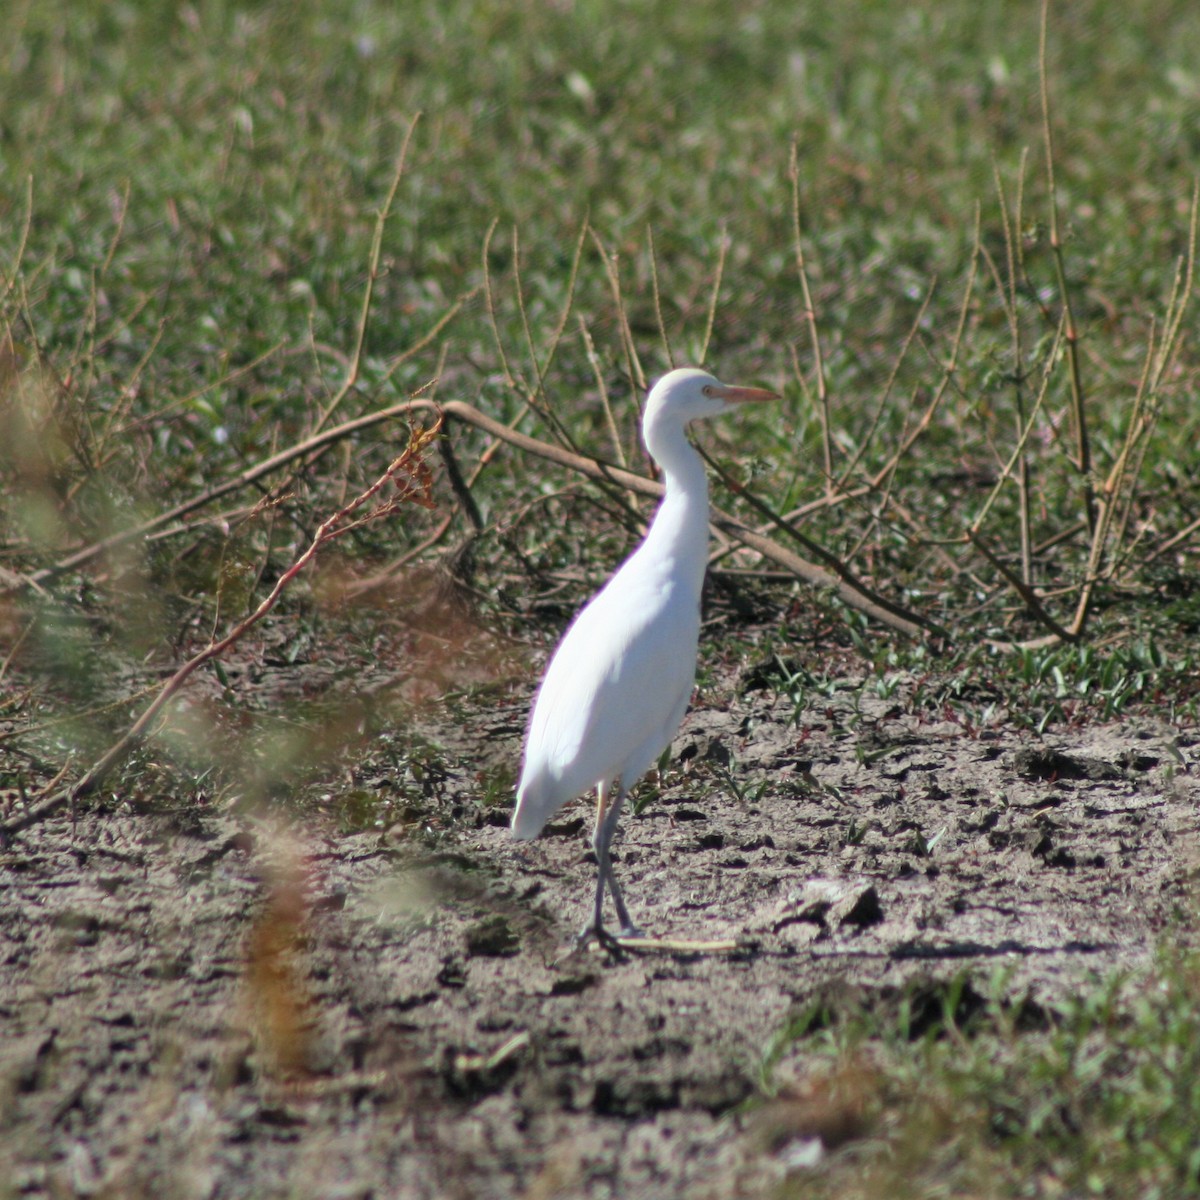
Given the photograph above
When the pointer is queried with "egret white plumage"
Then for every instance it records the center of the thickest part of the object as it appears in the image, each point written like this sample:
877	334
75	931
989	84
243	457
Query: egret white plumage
619	683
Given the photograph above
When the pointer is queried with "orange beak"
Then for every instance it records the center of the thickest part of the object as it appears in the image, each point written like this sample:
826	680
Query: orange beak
744	395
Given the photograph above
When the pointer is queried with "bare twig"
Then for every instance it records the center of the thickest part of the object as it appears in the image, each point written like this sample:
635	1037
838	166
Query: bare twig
637	376
810	316
22	242
364	315
711	317
1178	538
1181	295
1083	459
490	303
458	485
1139	426
602	391
835	573
156	417
658	313
1008	291
906	443
354	588
1019	450
1032	601
560	326
535	397
414	484
539	386
312	446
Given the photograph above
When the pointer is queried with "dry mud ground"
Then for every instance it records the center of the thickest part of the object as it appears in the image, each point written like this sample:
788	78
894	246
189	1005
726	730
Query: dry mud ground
201	1003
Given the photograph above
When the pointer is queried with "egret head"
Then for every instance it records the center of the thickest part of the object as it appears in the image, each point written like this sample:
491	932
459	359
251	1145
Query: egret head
688	394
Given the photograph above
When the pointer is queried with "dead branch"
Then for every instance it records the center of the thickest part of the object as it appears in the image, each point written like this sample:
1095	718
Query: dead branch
414	485
838	578
311	447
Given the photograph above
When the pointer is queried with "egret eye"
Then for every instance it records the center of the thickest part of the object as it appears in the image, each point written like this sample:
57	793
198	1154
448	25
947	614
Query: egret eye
707	389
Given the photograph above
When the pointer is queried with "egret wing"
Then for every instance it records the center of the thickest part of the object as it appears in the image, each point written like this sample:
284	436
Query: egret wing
613	695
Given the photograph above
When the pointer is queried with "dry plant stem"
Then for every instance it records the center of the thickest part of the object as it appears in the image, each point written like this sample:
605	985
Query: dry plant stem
430	335
1131	458
1083	453
490	302
458	485
115	240
810	316
534	397
1008	293
602	391
1109	496
920	533
124	401
1022	589
872	483
848	586
26	225
1177	305
711	317
662	325
569	303
364	316
361	587
1181	295
637	377
1141	421
542	368
310	446
538	396
183	401
1017	453
880	408
412	477
844	495
1176	539
18	642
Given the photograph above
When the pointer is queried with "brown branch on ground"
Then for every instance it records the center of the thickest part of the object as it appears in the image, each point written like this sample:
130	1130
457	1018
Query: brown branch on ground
1024	590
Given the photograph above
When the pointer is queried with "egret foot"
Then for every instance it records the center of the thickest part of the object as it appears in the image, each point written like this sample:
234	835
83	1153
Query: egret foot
610	941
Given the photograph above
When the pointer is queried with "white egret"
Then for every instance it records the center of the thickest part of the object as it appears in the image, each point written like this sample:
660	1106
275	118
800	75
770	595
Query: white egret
620	681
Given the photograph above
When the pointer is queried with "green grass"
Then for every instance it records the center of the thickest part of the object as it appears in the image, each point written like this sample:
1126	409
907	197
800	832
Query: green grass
949	1092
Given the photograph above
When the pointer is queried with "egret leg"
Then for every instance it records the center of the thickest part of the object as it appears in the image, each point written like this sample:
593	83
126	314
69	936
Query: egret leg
595	927
628	929
608	813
